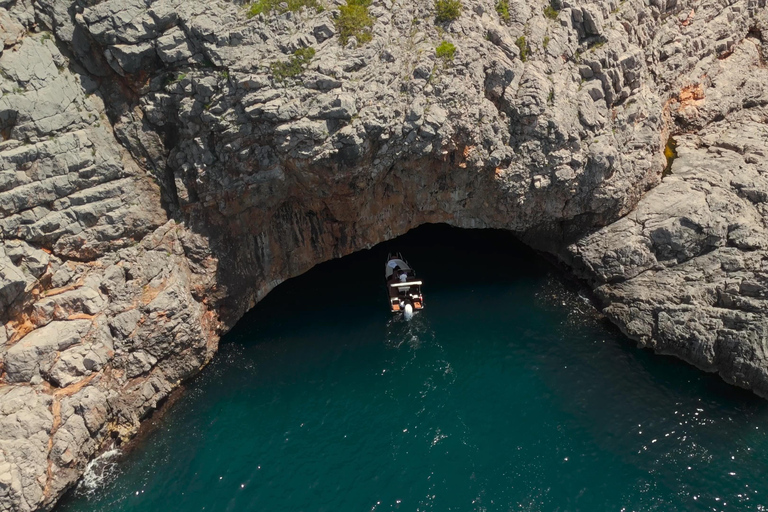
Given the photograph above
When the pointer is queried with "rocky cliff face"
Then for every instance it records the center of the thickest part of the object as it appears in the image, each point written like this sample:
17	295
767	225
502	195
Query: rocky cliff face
161	171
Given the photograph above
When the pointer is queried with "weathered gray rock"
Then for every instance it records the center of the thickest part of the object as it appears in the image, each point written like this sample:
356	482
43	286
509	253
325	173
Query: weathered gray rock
10	29
12	281
26	423
35	352
130	58
683	272
173	46
161	182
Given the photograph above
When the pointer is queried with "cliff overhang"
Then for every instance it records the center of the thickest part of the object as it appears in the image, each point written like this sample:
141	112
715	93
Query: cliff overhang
165	164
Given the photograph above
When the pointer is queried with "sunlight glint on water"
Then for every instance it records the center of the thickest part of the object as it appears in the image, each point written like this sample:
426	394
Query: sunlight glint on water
505	393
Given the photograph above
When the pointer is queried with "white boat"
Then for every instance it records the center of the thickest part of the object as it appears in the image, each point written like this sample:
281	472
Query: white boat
403	288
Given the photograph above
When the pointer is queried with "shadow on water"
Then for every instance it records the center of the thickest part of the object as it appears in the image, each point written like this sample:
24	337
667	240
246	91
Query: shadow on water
506	392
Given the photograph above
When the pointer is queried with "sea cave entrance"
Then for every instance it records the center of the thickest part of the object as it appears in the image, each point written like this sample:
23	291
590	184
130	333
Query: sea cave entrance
506	392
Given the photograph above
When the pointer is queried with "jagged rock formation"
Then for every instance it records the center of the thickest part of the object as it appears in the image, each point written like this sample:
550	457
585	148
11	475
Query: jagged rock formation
101	295
157	179
685	272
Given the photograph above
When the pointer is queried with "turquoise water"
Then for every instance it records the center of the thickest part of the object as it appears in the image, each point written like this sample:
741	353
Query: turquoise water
505	394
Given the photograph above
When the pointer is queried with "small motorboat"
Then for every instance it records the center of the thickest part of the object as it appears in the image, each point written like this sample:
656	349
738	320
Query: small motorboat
403	289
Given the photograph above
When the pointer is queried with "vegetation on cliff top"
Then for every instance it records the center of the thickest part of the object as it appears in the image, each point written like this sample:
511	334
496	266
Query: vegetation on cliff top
522	45
502	7
294	66
550	12
447	10
266	6
354	21
445	51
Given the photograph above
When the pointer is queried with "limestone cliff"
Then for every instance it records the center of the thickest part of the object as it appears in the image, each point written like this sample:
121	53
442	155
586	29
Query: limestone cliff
166	163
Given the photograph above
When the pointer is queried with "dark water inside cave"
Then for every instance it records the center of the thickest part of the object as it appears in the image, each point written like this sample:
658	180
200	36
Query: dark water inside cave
504	394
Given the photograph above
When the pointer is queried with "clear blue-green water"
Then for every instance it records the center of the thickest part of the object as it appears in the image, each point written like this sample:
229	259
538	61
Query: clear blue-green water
505	394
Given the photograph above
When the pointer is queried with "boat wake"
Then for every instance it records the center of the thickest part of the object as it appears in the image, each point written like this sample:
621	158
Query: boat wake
412	333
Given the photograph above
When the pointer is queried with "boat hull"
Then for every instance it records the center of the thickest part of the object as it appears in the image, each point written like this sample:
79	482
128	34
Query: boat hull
403	288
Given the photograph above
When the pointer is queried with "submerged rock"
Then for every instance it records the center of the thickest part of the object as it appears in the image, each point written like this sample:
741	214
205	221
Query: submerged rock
165	164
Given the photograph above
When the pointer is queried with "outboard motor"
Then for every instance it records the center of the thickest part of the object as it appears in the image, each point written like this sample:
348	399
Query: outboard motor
408	312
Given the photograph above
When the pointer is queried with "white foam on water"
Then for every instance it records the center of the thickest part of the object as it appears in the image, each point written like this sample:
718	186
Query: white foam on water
408	313
99	472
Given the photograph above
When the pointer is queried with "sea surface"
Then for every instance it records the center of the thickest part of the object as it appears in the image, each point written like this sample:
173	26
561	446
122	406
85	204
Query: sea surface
507	393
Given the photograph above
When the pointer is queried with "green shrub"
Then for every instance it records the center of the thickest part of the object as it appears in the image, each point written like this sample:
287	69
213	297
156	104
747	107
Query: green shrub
550	12
445	51
255	8
296	5
304	55
354	21
545	42
502	7
525	50
447	10
282	69
267	6
294	66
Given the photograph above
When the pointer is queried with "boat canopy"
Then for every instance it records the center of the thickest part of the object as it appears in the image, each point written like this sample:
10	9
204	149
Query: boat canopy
395	262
